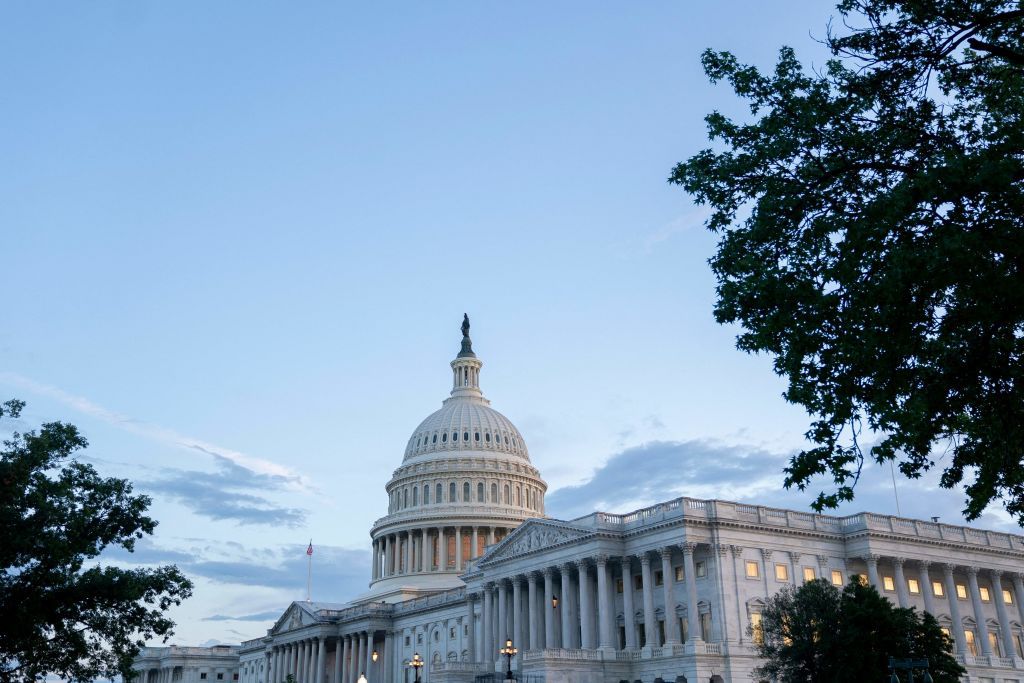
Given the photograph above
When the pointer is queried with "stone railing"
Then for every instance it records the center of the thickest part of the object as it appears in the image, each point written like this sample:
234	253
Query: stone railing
682	508
450	596
627	655
431	513
567	655
371	609
472	667
712	648
255	642
186	651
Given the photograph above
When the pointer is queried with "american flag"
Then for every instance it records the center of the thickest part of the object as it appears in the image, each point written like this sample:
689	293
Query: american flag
309	550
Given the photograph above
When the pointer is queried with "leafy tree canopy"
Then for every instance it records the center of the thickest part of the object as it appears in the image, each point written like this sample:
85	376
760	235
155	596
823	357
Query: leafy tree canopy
64	612
871	223
817	633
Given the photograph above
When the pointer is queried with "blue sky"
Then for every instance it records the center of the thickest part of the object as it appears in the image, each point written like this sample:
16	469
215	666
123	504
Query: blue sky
238	240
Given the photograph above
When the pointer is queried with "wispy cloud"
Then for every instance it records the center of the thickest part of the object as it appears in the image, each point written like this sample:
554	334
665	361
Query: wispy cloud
259	616
691	220
156	432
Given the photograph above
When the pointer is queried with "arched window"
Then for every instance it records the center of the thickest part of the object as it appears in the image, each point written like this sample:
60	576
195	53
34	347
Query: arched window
519	497
506	494
476	437
405	498
444	438
415	496
426	494
455	436
465	492
480	492
494	493
437	494
465	436
434	440
487	437
451	492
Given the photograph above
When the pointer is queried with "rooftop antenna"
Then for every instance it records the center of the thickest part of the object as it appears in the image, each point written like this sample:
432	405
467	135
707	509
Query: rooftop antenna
892	470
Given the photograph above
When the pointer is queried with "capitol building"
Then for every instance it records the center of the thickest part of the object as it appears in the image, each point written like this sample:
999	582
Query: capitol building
466	559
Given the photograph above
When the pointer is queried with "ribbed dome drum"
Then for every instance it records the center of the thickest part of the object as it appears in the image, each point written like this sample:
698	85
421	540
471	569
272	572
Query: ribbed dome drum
465	482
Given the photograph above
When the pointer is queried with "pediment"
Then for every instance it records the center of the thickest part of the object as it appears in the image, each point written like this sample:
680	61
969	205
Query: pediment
293	618
535	535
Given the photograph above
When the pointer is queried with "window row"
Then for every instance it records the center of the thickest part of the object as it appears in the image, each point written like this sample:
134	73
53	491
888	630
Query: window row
476	438
505	493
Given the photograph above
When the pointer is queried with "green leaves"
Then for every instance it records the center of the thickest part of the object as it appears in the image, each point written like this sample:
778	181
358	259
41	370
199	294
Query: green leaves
871	239
57	514
818	633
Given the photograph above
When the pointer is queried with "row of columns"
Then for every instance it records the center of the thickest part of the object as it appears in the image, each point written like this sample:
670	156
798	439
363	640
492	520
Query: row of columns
306	659
412	551
523	607
949	587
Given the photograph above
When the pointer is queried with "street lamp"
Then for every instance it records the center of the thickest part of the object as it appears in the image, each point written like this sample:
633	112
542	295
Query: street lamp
509	651
416	664
362	677
908	665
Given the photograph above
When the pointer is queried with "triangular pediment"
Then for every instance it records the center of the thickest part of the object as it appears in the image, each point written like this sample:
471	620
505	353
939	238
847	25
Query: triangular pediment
296	616
534	536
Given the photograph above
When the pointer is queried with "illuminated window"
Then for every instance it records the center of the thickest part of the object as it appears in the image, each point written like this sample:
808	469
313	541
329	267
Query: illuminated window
1007	597
937	589
781	572
702	569
680	575
971	645
753	569
1018	645
993	643
755	627
986	596
659	578
888	584
914	586
837	577
961	591
808	574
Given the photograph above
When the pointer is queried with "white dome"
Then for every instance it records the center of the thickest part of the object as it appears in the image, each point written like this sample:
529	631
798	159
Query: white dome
466	426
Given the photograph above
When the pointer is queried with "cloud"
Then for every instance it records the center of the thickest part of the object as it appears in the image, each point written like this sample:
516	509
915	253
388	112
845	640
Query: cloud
148	553
156	432
693	219
230	493
259	616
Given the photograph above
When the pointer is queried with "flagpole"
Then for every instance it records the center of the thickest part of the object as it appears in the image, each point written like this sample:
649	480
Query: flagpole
309	570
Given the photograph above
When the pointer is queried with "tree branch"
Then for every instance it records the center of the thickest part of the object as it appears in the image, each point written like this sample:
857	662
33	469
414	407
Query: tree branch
1006	53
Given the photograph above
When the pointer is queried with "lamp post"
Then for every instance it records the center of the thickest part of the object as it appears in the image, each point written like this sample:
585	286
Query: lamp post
509	651
416	664
908	665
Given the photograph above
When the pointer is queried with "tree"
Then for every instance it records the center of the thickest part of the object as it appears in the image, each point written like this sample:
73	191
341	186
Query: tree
817	633
64	612
871	223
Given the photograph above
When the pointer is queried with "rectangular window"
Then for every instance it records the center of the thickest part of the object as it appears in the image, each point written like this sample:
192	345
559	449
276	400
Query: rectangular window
961	591
641	634
234	677
755	627
451	632
659	578
837	577
808	574
202	676
937	589
407	641
914	586
684	630
888	583
638	582
1007	597
971	645
705	626
782	572
753	569
220	677
680	575
702	569
1018	644
419	638
618	586
993	642
661	630
986	596
465	630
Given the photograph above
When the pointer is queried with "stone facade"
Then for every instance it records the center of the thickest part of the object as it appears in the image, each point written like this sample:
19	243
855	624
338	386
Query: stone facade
187	664
668	592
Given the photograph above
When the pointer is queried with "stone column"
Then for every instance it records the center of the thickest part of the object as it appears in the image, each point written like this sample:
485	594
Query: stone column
373	571
872	561
628	612
586	607
311	650
490	535
979	610
901	582
563	605
605	616
1018	594
459	560
1004	620
442	550
271	662
368	650
534	631
667	577
428	552
471	620
387	666
650	620
321	660
550	631
338	649
488	635
926	587
353	660
300	665
692	609
954	609
517	612
794	568
502	633
474	551
408	552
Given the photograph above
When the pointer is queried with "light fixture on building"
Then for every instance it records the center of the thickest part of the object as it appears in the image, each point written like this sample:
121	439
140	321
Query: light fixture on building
373	656
416	664
554	602
362	677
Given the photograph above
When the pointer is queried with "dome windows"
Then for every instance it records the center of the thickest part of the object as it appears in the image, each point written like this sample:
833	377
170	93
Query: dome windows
455	436
437	494
465	436
444	438
477	437
465	492
487	437
494	493
426	494
435	438
451	492
480	492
